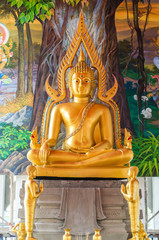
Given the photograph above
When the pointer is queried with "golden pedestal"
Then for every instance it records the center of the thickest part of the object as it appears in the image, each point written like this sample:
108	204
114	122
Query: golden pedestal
117	172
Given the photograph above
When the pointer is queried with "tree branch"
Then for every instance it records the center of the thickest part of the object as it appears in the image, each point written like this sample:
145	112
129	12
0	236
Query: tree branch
39	20
53	25
149	7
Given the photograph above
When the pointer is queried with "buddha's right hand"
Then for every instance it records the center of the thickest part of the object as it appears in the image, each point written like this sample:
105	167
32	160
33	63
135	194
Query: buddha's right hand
44	153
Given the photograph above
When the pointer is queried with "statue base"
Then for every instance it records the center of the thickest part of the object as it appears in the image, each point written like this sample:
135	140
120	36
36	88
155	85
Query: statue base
116	172
82	206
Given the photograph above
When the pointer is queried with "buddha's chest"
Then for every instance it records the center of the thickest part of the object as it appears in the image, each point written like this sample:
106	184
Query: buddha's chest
75	116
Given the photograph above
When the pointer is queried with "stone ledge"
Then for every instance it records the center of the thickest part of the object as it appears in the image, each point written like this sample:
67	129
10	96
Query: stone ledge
105	183
59	236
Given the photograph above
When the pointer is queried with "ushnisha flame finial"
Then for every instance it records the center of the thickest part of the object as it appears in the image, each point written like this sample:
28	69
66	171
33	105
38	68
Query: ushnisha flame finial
81	56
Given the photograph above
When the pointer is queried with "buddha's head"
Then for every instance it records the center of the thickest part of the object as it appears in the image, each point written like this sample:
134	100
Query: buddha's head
133	171
31	171
81	79
141	225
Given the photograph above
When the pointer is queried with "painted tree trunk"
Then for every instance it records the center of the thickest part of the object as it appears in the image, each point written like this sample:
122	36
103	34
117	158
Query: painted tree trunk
21	70
57	33
30	61
142	81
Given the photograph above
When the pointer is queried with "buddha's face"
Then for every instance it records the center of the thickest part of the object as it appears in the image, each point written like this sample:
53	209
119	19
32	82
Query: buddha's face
32	172
130	174
81	84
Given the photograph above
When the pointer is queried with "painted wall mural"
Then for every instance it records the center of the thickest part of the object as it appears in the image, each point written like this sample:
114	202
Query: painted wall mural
34	37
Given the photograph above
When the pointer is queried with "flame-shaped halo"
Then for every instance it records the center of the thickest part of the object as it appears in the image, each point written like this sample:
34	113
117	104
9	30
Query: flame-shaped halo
81	36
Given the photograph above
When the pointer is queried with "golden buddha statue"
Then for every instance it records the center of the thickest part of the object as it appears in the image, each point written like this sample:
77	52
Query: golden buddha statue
88	149
131	194
67	235
19	229
97	235
31	195
142	232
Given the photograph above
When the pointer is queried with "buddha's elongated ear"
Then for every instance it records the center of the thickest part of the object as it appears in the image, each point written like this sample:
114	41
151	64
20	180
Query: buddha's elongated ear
71	94
91	93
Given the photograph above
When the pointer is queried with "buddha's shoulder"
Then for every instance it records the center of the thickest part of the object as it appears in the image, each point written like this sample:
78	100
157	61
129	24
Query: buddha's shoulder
62	106
100	106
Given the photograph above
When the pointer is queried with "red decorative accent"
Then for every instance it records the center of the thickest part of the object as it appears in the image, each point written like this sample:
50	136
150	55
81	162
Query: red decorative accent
155	76
130	138
10	225
32	136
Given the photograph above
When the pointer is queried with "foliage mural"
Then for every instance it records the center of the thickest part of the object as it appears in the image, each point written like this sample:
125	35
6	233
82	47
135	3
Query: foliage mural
12	139
126	37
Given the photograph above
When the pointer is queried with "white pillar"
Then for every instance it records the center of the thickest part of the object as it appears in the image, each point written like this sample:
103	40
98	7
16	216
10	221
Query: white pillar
156	201
142	200
2	192
17	205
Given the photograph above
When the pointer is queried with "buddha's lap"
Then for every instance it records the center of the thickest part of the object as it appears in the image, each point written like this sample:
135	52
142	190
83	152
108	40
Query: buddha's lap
101	158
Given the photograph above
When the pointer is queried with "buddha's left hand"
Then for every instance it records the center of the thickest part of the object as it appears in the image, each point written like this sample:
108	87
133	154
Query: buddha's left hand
41	187
123	188
44	153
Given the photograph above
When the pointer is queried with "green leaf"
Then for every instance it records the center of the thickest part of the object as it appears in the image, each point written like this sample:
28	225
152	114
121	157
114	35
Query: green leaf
152	135
43	11
52	4
42	17
48	13
21	15
150	168
26	4
143	170
28	17
148	156
143	152
38	6
13	3
19	4
37	11
31	16
22	20
156	165
32	3
156	146
45	7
